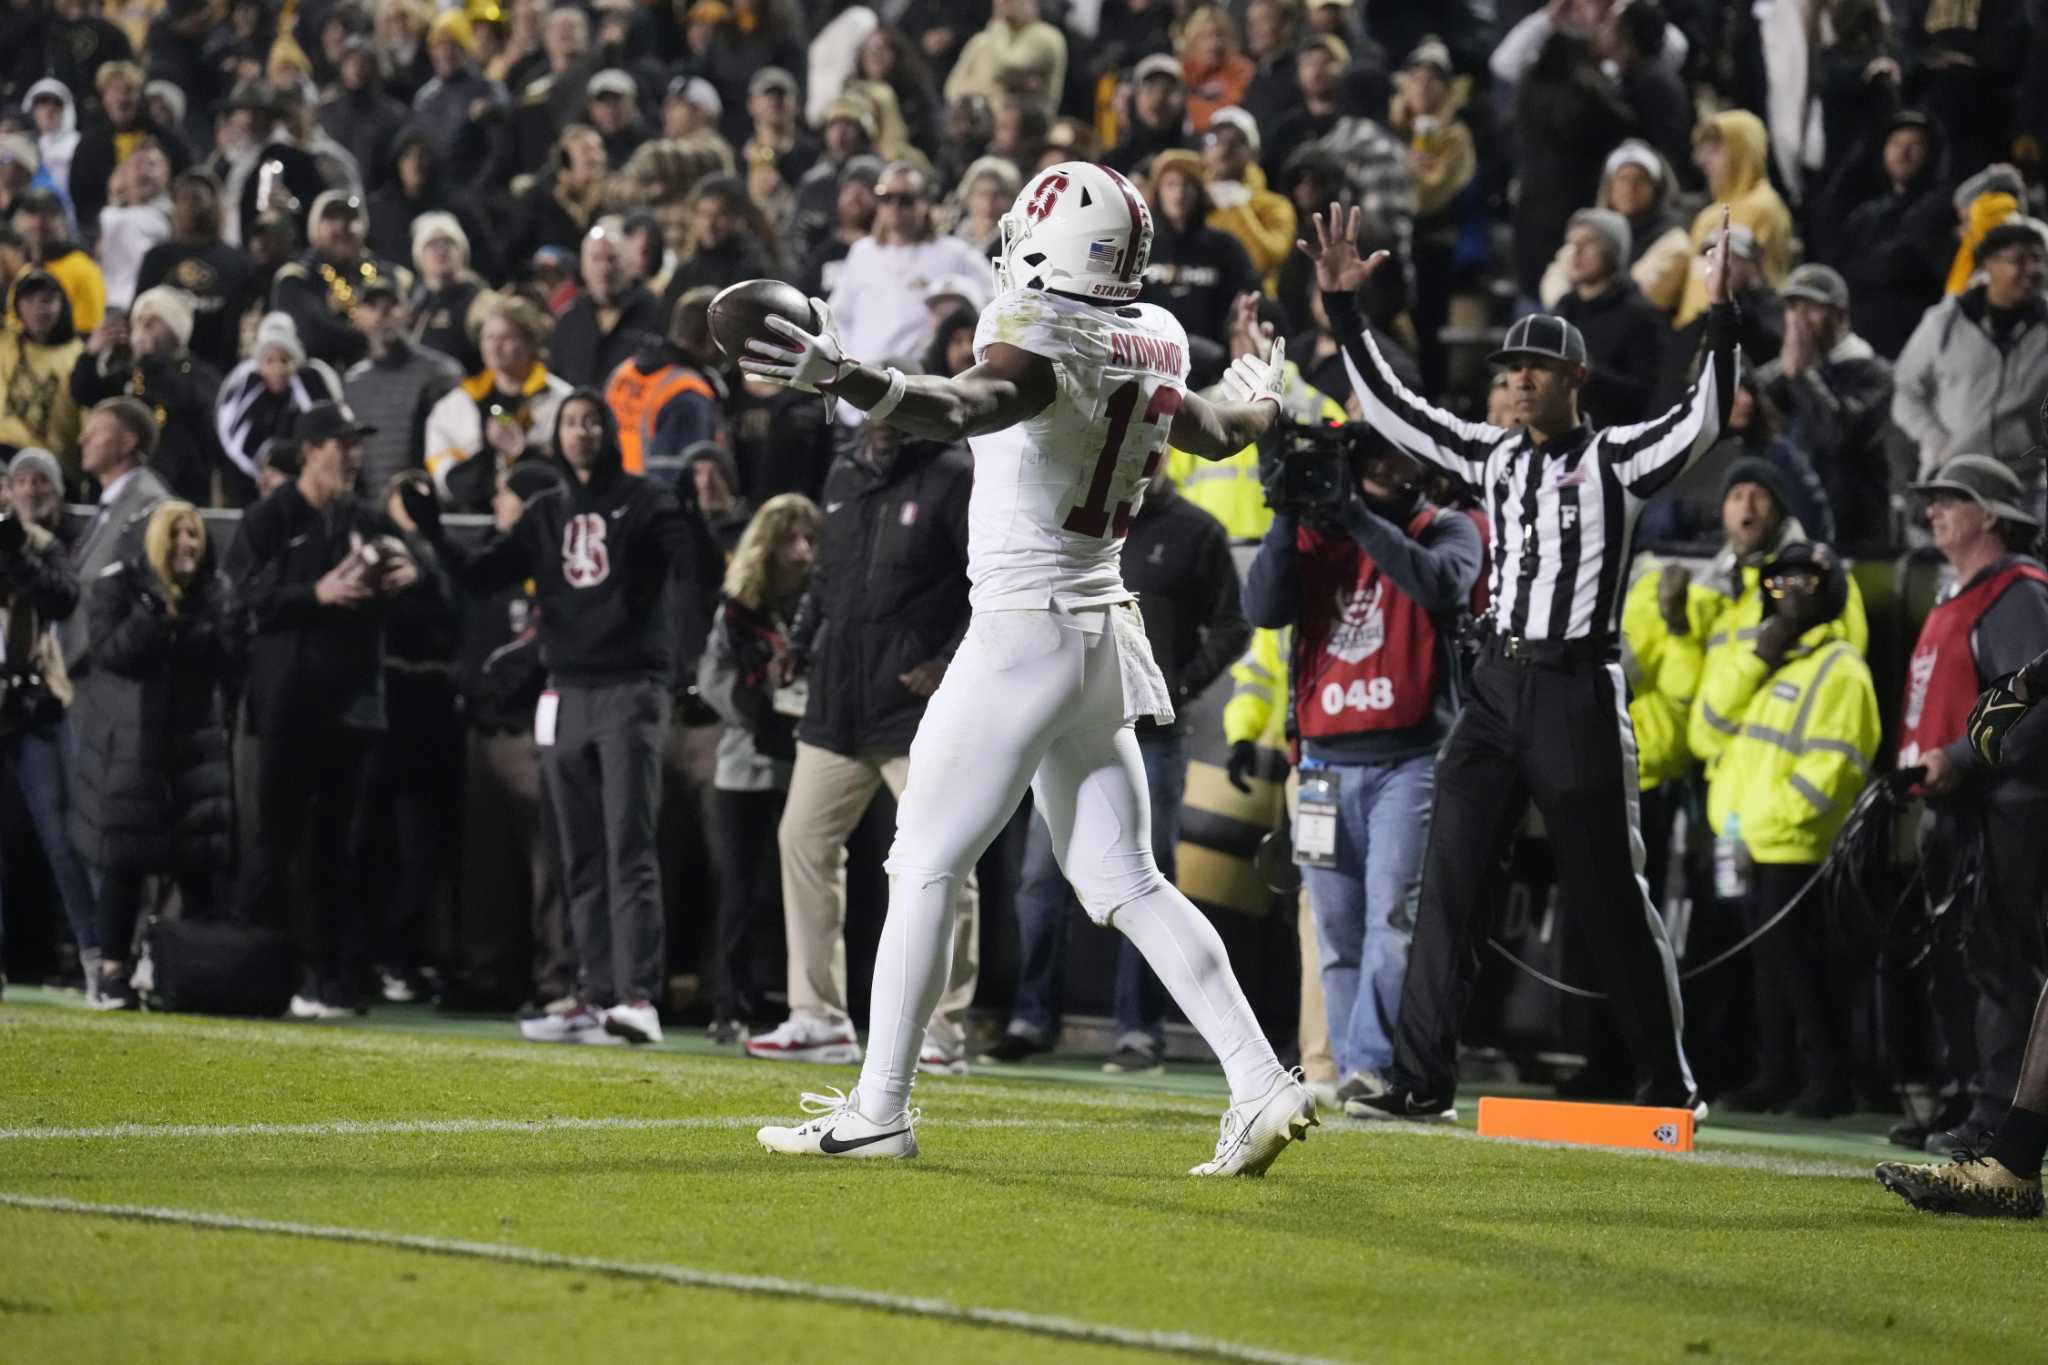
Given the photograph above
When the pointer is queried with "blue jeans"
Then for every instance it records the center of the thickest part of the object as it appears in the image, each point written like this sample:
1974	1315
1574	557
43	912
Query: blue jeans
42	763
1365	906
1044	899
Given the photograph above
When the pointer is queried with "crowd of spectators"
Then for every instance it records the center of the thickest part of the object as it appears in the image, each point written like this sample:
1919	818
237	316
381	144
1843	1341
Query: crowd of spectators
340	267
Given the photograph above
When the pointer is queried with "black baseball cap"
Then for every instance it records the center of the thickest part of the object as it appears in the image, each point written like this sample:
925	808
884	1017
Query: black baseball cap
329	422
1544	336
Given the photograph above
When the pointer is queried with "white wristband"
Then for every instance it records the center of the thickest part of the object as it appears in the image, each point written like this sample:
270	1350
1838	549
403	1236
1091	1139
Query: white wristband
898	384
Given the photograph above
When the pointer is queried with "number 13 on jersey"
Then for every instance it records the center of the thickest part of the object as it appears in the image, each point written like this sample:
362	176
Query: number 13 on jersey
1093	516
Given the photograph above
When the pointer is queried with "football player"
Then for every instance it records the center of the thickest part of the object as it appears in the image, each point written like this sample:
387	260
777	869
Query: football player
1075	392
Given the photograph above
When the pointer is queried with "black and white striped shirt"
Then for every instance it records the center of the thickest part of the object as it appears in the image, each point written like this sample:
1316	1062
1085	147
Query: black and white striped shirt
1562	512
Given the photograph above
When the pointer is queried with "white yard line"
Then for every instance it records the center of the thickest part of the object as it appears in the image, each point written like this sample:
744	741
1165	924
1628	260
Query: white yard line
943	1310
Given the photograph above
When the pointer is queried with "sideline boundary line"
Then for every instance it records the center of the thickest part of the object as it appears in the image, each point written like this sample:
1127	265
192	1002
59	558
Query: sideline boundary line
944	1310
123	1132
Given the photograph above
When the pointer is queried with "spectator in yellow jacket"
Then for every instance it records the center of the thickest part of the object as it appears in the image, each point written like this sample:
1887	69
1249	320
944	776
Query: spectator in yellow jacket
1240	203
1794	760
38	351
1730	150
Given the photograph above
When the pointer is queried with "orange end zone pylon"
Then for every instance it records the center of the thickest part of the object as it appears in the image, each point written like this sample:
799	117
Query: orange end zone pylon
1591	1125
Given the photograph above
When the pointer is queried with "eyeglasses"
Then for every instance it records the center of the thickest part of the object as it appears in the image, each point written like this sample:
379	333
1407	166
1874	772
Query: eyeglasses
1782	584
900	198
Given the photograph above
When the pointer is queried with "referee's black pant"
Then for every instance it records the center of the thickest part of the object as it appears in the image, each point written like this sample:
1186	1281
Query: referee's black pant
1557	733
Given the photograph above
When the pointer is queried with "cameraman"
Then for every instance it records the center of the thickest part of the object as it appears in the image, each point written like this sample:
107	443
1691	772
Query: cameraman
1369	583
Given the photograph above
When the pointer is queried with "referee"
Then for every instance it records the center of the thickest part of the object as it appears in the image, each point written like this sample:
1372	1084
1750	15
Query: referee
1547	714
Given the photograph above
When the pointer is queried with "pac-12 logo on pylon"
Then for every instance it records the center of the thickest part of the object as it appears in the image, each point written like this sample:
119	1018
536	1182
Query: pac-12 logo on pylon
585	561
1667	1133
1044	197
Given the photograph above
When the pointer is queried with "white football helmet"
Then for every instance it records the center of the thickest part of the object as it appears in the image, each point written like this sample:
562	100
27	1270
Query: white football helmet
1077	228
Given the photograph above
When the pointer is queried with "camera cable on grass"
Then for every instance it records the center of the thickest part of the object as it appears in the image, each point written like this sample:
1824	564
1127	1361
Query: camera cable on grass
1868	819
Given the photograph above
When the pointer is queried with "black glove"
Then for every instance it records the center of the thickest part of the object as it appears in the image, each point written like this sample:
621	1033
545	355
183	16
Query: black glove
1995	713
13	534
1775	638
424	509
1243	755
2035	678
1671	599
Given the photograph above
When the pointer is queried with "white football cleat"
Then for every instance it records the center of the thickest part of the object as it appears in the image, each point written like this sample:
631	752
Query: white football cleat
580	1025
838	1128
936	1059
635	1023
1257	1131
306	1007
807	1038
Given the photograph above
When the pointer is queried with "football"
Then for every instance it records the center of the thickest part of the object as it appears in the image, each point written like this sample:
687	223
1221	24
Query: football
742	310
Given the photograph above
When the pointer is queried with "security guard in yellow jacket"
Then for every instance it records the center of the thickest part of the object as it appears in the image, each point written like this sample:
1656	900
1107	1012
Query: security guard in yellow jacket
1757	526
1255	727
1791	752
1663	665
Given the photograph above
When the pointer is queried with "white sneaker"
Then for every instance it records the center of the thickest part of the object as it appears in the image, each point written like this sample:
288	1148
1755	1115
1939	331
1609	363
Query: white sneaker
635	1023
936	1059
396	989
1257	1131
838	1128
806	1038
580	1025
304	1007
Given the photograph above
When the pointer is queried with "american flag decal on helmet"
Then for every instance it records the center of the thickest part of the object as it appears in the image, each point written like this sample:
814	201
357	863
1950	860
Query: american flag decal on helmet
1102	258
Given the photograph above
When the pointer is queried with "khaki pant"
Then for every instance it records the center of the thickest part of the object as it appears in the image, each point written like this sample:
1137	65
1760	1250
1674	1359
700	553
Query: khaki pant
828	794
1317	1062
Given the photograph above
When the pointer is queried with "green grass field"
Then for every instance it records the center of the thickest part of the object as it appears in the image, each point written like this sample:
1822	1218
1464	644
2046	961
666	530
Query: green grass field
512	1202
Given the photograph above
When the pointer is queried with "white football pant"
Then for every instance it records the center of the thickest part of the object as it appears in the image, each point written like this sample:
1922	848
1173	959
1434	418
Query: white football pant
1036	698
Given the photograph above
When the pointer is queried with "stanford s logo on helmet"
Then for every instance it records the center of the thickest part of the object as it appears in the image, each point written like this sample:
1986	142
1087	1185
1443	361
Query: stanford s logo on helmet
1079	229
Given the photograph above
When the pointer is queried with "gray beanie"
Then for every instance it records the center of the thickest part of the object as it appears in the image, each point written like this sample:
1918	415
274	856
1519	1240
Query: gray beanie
1612	227
42	462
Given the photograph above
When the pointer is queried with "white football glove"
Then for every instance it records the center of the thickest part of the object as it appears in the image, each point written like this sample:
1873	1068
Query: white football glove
806	361
1251	379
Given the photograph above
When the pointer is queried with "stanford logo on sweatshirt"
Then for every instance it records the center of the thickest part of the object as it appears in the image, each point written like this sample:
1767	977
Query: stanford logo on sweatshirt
585	561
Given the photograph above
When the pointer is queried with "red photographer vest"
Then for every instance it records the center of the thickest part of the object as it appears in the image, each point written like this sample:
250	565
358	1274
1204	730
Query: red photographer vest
1941	680
1368	656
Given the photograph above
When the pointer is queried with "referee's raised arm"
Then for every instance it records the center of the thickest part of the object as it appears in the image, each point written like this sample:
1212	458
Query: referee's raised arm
1426	432
1649	455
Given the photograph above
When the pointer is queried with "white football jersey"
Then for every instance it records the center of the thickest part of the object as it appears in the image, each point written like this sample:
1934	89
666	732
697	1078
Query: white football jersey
1053	496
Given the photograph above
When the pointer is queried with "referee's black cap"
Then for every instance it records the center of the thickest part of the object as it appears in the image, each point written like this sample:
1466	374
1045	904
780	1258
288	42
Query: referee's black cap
1544	336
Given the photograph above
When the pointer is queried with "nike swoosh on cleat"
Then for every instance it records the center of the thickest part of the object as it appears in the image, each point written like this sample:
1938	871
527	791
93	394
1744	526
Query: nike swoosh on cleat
832	1146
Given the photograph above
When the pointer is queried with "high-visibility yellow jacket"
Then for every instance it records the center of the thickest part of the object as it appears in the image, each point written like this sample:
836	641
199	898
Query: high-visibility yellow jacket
1229	490
1663	673
1731	641
1800	753
1257	709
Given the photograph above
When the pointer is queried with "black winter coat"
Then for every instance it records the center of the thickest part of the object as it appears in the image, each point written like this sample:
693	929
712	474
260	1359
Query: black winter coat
1177	560
1196	273
1625	341
182	389
888	592
582	352
309	664
153	791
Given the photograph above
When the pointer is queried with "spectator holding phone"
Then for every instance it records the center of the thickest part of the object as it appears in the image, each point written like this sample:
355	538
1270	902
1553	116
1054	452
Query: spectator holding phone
313	566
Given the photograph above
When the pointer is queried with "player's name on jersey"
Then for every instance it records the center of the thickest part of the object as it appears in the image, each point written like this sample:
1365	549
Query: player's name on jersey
1147	353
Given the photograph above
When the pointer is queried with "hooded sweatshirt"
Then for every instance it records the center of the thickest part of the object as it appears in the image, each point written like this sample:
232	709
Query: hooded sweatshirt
36	407
601	554
1753	204
56	148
